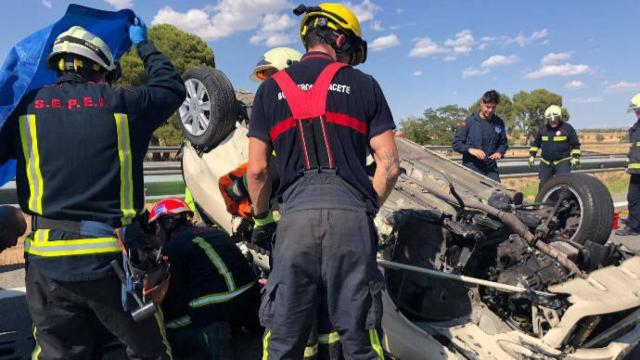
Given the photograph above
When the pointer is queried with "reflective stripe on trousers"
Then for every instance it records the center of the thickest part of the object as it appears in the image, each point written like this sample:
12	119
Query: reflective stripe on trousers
556	162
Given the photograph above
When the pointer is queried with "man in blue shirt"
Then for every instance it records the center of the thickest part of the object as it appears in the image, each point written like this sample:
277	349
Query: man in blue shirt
482	138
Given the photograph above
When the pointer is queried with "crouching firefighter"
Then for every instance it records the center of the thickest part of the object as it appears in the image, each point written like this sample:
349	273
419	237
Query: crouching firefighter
79	147
212	287
324	264
559	144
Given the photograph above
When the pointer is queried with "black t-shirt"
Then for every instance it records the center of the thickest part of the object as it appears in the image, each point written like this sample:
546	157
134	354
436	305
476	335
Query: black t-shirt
358	106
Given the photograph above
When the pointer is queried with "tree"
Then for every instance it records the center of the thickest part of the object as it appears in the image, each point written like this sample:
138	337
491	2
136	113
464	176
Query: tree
185	51
436	127
599	137
528	108
504	110
415	129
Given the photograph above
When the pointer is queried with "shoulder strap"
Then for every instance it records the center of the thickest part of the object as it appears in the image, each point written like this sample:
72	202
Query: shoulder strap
311	103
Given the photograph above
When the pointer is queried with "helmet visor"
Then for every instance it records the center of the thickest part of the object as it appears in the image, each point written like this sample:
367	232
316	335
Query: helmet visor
266	73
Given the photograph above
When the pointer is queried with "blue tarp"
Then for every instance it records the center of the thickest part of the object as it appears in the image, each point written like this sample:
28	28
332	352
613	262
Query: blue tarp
25	68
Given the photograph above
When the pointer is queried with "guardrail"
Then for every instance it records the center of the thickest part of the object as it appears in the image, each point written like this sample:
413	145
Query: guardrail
437	148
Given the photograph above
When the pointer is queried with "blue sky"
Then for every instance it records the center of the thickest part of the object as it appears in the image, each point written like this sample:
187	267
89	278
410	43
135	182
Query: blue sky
423	53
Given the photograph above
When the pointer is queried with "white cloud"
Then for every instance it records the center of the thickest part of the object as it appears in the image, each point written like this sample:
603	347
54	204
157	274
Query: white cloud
462	43
471	72
277	22
566	69
273	31
376	25
449	58
523	40
118	4
425	47
499	60
384	42
224	19
272	39
540	34
553	58
47	3
623	86
588	100
417	73
574	85
364	11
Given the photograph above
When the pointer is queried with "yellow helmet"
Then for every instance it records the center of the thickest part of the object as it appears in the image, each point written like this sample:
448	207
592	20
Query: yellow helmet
78	41
336	17
274	60
634	104
553	110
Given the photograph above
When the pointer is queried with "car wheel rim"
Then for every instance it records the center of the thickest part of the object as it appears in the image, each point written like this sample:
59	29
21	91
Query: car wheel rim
196	108
552	195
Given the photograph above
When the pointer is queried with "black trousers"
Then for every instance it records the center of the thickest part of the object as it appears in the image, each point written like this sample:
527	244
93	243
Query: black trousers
546	172
633	197
67	318
325	269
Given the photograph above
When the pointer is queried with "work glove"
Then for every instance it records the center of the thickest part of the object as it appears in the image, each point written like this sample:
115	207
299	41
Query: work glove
532	161
263	230
137	31
575	162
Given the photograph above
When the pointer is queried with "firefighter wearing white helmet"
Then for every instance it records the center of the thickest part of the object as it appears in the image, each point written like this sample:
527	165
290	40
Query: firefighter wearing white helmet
273	61
633	168
559	144
77	50
79	146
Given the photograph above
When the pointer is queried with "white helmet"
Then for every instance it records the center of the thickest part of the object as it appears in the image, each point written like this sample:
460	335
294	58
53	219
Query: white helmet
274	60
634	104
553	110
78	41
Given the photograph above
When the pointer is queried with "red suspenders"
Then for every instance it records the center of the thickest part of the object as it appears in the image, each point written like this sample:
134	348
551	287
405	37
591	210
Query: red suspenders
309	113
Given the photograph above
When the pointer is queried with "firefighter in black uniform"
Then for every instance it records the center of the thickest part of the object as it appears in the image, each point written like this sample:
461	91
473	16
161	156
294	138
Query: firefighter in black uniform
212	284
633	168
321	116
559	144
80	146
482	138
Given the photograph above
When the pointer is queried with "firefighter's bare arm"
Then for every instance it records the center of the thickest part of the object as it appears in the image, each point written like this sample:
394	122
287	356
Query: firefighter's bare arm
385	153
258	176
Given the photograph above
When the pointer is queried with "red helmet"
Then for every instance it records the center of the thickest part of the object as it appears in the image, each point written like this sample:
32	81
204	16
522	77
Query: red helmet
169	207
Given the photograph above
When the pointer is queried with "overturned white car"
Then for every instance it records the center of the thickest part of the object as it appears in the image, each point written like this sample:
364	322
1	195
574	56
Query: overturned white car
471	271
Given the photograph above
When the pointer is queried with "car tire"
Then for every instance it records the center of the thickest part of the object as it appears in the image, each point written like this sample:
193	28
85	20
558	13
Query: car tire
596	220
206	126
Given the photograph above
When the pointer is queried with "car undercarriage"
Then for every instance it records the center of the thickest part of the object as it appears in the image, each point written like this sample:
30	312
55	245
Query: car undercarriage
472	271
